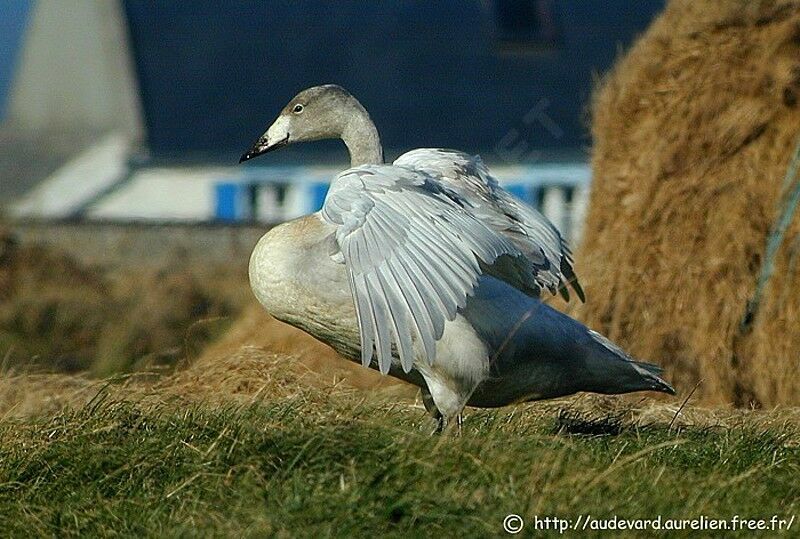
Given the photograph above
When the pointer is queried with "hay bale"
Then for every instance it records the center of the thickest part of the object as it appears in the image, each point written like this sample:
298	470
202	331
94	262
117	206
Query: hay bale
693	132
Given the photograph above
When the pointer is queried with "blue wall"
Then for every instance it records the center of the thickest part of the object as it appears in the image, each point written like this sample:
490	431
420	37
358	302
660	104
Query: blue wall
13	20
214	74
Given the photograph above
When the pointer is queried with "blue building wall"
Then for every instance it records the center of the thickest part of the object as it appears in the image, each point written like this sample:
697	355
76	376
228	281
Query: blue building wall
214	74
14	16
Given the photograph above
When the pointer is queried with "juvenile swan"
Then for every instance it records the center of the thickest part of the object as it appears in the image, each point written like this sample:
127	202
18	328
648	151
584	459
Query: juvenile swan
429	271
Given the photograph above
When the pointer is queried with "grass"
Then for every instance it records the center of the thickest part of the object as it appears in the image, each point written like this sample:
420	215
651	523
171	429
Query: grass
325	462
241	442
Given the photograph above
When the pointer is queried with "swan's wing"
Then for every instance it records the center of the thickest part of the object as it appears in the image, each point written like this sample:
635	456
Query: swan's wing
531	232
413	256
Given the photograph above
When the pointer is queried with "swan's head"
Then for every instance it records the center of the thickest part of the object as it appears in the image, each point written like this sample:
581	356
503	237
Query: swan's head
317	113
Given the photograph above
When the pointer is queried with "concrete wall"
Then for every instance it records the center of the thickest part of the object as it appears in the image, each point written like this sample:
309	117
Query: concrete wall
144	245
74	73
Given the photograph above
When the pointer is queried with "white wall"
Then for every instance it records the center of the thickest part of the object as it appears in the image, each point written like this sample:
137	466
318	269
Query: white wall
75	72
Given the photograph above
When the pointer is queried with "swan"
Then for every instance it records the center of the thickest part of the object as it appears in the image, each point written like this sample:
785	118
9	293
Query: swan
428	271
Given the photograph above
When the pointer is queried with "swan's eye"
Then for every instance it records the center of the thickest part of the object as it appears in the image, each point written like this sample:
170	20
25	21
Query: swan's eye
297	109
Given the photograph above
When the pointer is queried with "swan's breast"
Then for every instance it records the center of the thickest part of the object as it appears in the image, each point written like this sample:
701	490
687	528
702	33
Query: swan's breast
294	277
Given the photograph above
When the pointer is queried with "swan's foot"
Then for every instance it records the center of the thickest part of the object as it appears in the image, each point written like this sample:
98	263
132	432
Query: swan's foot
441	424
447	425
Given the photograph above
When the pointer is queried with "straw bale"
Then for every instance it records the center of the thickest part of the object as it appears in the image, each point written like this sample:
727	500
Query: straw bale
693	131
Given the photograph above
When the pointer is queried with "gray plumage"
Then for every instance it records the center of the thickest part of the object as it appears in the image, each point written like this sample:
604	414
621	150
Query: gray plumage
428	270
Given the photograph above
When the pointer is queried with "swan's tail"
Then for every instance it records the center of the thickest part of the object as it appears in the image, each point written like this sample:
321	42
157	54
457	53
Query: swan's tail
659	384
647	375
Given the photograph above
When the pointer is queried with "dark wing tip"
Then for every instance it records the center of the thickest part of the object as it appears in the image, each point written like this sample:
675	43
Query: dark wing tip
578	288
664	387
564	291
572	279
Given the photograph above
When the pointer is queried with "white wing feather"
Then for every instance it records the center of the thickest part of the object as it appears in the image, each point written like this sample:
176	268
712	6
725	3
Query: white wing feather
413	256
529	230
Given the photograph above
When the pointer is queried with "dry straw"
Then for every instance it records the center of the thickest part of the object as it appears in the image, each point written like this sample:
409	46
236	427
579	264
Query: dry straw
694	130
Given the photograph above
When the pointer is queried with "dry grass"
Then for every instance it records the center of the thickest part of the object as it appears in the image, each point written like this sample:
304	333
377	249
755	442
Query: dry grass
258	329
57	314
285	458
242	374
249	374
693	131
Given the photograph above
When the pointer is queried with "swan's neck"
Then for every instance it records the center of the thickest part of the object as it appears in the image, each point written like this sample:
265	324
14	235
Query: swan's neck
361	138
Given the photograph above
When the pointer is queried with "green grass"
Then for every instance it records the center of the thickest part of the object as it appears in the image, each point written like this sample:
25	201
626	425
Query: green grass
320	465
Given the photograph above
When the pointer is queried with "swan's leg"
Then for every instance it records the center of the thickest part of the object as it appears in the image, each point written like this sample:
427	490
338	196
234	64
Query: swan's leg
430	406
446	424
452	424
462	364
447	401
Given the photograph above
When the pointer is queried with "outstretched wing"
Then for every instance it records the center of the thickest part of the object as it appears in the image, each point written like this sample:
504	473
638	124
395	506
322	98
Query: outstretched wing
413	256
529	230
